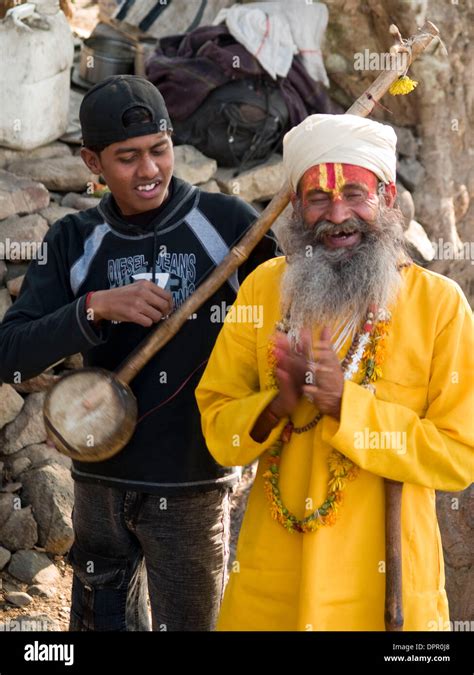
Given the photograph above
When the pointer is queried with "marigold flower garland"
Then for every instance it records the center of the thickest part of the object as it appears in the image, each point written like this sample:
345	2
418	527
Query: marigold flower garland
368	349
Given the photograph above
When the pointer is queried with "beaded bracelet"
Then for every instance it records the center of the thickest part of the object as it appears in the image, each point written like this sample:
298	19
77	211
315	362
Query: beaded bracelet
88	299
274	418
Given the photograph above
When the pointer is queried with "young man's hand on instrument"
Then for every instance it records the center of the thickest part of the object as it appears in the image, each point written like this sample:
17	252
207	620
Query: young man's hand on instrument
142	302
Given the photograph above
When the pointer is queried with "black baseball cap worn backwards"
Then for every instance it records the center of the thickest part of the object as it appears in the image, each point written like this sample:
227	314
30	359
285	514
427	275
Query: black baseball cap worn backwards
102	109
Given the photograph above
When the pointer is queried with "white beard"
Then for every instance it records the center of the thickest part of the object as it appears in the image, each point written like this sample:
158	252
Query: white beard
339	284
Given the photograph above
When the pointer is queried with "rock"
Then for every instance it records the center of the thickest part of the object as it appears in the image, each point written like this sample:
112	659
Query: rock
192	166
335	63
3	272
406	204
20	195
5	556
63	174
20	531
1	473
79	202
258	184
22	236
19	599
6	507
16	269
74	361
421	246
11	586
7	155
10	404
410	172
18	466
470	181
11	487
461	202
38	455
38	383
33	567
349	31
41	591
54	212
56	197
210	186
407	144
5	303
27	428
455	515
14	285
49	489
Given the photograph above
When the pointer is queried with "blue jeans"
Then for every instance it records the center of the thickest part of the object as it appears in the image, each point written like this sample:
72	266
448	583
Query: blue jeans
130	546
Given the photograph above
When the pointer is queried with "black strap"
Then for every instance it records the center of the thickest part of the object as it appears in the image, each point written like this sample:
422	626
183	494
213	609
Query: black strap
197	19
123	11
150	18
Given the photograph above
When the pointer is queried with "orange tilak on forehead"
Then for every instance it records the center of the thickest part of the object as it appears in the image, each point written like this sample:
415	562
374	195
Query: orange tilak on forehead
332	177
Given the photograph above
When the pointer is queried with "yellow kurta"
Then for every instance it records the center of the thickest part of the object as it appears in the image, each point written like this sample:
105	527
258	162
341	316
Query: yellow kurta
333	579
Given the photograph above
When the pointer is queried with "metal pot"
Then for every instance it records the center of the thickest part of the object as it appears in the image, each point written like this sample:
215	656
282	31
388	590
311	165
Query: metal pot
102	57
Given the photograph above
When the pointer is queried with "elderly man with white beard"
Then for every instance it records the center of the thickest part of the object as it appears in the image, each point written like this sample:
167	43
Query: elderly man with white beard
361	370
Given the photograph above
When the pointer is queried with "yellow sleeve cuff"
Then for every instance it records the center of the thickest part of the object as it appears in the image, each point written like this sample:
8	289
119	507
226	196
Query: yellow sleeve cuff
243	449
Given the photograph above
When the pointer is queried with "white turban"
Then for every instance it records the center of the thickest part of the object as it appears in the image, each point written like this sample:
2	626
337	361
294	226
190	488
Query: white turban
345	139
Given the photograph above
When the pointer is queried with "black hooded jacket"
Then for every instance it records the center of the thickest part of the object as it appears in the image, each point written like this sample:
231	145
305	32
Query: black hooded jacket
98	249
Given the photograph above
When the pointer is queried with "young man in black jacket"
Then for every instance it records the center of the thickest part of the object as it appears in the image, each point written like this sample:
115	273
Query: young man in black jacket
160	507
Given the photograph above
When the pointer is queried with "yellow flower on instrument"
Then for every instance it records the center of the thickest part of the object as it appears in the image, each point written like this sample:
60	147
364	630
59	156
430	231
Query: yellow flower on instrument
404	85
